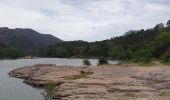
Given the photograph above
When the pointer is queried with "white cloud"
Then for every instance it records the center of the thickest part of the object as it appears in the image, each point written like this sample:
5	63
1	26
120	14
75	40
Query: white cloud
83	19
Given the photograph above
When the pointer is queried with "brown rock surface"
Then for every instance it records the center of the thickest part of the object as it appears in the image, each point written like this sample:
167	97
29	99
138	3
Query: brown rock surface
108	82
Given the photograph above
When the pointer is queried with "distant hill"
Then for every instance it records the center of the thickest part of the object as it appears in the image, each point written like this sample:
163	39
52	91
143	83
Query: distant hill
26	39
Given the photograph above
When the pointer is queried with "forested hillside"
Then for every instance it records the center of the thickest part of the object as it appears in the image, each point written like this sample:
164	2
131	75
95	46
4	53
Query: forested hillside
151	43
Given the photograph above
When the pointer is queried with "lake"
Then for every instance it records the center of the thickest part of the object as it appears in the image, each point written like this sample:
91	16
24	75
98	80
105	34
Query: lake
14	89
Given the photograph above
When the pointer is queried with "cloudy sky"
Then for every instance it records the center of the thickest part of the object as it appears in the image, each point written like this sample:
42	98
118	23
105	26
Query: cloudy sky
88	20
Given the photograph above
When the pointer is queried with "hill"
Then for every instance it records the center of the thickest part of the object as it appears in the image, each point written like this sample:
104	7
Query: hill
26	39
141	44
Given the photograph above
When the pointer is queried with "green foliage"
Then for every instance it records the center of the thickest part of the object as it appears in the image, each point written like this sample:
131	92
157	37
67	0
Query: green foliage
143	53
10	53
158	48
117	52
166	55
165	62
49	90
56	52
86	62
146	64
102	61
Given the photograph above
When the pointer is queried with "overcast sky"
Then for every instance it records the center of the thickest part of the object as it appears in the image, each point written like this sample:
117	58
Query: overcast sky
88	20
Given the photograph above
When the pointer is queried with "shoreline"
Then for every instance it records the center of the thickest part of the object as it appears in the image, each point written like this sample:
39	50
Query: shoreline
106	82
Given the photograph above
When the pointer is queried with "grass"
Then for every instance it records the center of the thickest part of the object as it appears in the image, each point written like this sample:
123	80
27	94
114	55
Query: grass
142	63
146	64
163	94
49	90
165	62
124	62
130	95
82	75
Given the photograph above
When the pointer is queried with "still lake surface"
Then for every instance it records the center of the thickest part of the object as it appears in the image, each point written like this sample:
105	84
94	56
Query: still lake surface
15	89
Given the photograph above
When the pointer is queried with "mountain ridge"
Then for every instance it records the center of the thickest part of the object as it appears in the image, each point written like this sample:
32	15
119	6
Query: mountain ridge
26	39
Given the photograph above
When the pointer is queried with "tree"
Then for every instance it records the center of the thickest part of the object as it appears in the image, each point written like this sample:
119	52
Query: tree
117	52
141	54
102	61
10	53
168	23
86	62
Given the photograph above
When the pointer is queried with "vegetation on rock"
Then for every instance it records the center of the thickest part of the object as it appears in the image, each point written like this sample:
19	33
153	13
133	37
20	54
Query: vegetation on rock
49	91
86	62
83	74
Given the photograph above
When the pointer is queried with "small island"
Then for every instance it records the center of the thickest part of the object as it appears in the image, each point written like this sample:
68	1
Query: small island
104	82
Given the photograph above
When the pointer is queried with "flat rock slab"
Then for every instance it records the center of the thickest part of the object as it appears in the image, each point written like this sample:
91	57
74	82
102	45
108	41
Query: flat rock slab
108	82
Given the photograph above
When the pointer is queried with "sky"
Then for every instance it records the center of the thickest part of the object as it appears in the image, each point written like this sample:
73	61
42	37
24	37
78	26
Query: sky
88	20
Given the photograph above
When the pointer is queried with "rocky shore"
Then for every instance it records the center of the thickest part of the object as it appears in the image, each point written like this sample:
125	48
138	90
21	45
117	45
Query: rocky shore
107	82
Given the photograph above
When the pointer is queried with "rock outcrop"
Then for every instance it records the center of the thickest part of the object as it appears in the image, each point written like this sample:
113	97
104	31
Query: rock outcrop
130	32
159	26
108	82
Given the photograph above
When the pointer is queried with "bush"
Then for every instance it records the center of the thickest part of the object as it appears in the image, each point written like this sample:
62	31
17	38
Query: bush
145	60
86	62
166	56
49	90
141	54
102	61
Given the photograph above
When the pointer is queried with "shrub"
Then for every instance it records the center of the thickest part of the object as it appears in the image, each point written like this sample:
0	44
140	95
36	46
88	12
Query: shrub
49	90
142	54
102	61
166	56
145	60
135	60
86	62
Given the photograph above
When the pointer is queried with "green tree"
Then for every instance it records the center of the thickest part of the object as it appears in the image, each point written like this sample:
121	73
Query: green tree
102	61
117	52
141	54
10	53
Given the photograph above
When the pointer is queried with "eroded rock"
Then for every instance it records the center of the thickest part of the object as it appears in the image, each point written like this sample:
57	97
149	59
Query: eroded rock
109	82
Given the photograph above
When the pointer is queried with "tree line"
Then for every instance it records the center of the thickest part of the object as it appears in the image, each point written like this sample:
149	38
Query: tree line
7	52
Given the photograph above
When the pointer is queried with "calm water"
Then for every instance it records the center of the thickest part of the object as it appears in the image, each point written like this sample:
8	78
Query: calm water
14	89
